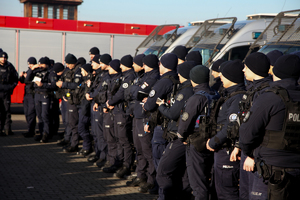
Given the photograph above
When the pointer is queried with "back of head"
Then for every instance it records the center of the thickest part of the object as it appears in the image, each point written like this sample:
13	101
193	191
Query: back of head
88	68
273	56
138	59
169	61
115	64
180	51
199	74
58	67
81	60
94	51
184	69
287	66
127	61
233	71
96	58
151	61
31	60
258	63
194	56
70	59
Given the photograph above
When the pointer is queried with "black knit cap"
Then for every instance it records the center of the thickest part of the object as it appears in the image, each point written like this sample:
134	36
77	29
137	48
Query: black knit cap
127	61
295	53
287	66
81	60
58	67
169	61
44	60
48	62
258	63
184	69
1	50
151	61
180	51
233	71
3	55
94	51
273	56
199	74
96	58
70	59
87	67
139	59
105	58
194	56
31	60
221	67
52	62
115	64
217	64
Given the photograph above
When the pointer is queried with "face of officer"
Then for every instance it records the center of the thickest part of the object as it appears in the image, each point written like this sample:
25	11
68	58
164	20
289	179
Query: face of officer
163	70
111	70
124	68
43	66
95	65
181	78
30	65
250	76
83	72
215	74
146	68
70	66
3	60
137	68
92	56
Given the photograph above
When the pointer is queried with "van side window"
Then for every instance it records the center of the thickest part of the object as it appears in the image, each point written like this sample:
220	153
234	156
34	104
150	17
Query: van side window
238	53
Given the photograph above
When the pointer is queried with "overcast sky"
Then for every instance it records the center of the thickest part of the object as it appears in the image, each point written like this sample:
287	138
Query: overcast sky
164	11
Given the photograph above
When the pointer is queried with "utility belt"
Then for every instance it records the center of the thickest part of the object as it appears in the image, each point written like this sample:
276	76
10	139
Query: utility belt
44	93
280	183
172	136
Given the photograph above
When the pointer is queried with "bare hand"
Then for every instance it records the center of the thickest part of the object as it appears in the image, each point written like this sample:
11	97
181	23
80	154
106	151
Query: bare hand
235	155
88	97
39	84
160	103
65	99
88	83
95	107
109	106
208	147
35	66
145	99
105	110
249	164
59	84
146	128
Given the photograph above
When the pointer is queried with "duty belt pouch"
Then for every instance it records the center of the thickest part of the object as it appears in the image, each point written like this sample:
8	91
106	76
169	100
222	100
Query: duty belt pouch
198	141
279	185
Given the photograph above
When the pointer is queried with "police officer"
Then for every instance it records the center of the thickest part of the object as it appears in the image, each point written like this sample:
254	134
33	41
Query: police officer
162	89
217	86
232	78
70	81
181	52
123	122
142	140
113	160
256	72
93	51
29	108
198	159
9	80
172	165
101	149
270	135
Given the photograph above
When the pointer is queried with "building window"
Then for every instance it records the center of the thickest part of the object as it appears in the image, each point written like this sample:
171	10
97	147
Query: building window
37	10
68	12
53	12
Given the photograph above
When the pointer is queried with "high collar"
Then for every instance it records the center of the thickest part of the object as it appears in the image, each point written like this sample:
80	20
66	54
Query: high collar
170	73
114	75
240	86
257	83
202	87
128	72
287	83
98	71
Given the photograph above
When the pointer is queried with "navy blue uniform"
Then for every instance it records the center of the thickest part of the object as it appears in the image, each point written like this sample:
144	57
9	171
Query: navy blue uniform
161	89
97	116
71	80
123	122
172	165
198	163
42	98
226	173
268	114
108	121
29	105
246	178
8	81
142	141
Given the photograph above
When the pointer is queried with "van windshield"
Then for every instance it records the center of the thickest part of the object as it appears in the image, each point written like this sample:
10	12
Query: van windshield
285	47
154	50
206	51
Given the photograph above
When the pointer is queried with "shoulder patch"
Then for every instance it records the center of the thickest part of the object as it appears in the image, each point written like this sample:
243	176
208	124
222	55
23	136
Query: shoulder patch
125	85
143	86
179	97
76	80
185	116
152	93
233	117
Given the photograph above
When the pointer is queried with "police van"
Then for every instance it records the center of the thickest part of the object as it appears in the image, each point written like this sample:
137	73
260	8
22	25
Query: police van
286	29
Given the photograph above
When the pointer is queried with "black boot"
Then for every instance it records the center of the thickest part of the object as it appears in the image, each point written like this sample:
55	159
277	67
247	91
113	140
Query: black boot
8	132
136	182
70	149
44	138
124	171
